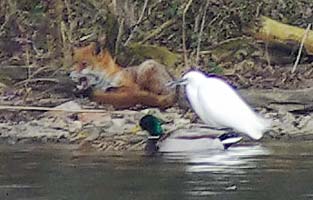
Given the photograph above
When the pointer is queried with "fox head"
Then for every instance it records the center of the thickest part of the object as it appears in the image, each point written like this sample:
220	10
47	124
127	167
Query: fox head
92	67
92	56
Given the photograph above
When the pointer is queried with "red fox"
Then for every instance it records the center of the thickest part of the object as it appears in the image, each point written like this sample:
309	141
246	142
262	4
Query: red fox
121	87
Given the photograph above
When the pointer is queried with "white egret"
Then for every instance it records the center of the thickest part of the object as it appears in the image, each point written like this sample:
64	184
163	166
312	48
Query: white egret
218	104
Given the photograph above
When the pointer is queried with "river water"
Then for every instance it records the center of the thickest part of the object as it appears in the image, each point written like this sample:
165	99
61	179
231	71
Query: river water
267	171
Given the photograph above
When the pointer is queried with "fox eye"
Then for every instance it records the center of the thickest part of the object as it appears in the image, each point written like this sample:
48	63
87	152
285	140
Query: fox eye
84	64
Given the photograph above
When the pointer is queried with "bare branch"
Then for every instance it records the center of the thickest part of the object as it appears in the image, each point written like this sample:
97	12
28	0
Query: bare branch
184	33
201	32
137	23
301	47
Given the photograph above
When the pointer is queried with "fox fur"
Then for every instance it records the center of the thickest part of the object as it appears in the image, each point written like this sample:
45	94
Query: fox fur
144	84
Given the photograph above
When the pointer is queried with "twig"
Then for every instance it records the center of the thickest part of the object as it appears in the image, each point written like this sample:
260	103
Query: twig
267	55
27	53
258	8
38	71
31	79
137	23
12	10
155	32
39	108
63	31
184	33
26	41
214	19
301	47
114	5
201	32
70	20
119	35
86	37
37	79
7	20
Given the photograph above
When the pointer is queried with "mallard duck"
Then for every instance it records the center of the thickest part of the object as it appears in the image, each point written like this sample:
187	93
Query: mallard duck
182	140
217	104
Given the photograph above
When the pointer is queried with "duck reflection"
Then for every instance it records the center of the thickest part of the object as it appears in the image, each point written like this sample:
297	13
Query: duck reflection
233	160
219	172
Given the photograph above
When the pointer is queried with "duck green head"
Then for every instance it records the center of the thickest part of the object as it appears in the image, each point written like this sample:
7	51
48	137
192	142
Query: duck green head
151	124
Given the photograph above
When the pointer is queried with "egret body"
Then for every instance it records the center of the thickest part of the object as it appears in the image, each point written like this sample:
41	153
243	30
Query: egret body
217	104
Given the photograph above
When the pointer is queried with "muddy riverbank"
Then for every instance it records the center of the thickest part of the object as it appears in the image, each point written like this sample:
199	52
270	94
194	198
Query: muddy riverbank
111	130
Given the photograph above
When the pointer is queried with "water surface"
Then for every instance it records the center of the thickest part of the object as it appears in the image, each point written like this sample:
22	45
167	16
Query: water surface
267	171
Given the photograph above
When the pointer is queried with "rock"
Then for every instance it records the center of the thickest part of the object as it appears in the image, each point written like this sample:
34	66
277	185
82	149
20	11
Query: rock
144	133
75	126
68	106
97	119
136	139
93	133
119	122
120	126
112	130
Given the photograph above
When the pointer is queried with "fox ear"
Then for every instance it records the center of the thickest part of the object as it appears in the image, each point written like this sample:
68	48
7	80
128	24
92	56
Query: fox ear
98	45
97	49
103	40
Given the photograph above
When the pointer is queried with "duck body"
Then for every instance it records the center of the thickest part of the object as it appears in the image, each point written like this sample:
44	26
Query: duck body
184	140
188	140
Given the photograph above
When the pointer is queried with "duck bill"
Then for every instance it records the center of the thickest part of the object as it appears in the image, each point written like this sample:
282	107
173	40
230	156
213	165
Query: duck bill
181	81
135	129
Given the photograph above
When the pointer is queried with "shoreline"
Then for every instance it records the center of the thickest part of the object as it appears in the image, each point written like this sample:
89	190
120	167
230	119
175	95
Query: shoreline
108	145
112	130
106	129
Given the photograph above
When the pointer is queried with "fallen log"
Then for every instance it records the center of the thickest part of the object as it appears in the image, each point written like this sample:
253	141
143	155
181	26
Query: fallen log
297	101
272	31
279	99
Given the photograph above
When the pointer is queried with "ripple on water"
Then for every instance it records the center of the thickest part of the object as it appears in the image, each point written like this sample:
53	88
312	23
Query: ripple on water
242	172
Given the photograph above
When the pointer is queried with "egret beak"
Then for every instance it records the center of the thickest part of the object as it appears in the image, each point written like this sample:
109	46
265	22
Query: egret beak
182	81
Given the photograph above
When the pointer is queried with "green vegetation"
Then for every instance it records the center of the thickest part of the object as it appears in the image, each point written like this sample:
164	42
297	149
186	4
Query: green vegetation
43	32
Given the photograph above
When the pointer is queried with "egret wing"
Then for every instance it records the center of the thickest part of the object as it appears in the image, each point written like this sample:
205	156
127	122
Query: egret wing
192	94
221	104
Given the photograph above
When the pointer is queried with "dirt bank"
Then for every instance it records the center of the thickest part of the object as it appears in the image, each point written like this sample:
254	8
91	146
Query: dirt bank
111	130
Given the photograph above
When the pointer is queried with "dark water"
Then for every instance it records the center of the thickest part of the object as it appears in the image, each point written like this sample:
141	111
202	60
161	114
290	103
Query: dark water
271	171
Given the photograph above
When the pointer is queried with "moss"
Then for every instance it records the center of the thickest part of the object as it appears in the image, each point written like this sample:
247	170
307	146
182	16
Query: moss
236	49
158	53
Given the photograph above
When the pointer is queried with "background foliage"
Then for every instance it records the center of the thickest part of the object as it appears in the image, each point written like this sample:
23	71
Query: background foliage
42	32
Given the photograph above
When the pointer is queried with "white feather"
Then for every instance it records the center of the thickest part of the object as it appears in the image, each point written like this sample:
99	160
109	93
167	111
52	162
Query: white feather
217	103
